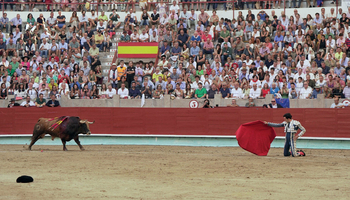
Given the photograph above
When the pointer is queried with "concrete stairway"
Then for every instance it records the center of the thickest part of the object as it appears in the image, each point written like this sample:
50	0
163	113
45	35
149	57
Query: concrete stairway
106	58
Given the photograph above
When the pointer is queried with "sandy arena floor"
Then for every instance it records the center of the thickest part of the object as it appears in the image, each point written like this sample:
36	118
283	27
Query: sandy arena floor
167	172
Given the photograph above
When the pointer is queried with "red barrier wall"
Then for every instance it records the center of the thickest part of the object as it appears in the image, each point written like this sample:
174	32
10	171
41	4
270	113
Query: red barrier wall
179	121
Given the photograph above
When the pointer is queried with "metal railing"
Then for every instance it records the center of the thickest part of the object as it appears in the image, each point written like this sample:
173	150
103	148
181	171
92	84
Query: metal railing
74	6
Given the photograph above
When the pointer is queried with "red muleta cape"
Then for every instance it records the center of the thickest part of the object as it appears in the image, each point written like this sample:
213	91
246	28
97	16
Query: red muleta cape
255	137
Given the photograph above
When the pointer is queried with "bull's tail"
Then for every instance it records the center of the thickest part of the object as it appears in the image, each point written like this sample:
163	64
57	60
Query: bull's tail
37	134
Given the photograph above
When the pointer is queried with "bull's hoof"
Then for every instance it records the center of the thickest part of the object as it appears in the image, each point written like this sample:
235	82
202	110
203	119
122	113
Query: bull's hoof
82	148
29	148
65	149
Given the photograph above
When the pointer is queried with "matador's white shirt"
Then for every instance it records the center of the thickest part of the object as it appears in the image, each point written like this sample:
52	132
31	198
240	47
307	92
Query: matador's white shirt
291	127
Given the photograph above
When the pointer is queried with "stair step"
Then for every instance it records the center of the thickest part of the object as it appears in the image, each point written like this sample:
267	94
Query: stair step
104	59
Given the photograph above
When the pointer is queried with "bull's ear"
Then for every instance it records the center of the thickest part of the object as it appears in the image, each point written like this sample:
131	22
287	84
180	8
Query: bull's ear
83	121
91	122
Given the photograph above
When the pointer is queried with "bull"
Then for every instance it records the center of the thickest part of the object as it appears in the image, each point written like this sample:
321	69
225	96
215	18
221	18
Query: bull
65	127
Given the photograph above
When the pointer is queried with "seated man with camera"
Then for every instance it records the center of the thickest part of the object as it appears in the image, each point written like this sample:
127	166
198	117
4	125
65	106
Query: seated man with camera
207	104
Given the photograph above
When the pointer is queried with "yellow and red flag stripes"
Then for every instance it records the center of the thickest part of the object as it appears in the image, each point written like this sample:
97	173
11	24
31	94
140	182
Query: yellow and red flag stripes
137	49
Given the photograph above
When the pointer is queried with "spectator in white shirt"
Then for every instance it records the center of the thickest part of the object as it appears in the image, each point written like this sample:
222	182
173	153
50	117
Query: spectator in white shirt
45	34
285	22
305	92
153	29
317	19
31	92
83	20
101	26
185	15
153	37
346	90
144	36
51	21
17	34
134	37
255	80
300	74
4	62
305	61
337	104
331	15
63	46
44	90
64	84
27	103
321	82
255	92
301	66
110	92
84	43
330	43
164	20
192	19
123	92
307	72
44	47
236	91
174	7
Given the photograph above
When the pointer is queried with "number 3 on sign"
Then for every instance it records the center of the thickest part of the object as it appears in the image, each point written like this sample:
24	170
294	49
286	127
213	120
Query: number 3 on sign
194	104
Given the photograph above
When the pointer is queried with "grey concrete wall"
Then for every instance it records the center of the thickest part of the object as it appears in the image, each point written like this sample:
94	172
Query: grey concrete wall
65	102
4	103
242	102
320	102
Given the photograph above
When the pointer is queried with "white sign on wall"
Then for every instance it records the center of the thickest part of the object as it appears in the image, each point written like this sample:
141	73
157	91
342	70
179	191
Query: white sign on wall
194	104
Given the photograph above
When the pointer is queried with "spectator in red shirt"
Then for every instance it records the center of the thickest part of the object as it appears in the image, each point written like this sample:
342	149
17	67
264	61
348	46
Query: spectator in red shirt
347	42
208	47
200	32
265	90
208	70
205	36
62	77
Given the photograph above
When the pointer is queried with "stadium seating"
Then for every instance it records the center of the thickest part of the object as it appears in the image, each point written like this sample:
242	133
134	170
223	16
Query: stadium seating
239	71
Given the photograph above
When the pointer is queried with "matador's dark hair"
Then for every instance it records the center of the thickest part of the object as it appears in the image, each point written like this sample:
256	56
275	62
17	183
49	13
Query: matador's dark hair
287	116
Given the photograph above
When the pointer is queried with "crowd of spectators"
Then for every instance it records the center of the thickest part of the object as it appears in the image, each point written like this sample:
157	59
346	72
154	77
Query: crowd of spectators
201	54
123	5
54	55
245	57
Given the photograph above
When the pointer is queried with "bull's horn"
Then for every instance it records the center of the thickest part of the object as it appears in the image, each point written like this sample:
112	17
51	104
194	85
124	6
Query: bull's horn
91	122
82	121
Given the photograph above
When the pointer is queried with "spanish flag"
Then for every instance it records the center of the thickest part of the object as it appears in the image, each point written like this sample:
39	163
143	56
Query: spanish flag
137	50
